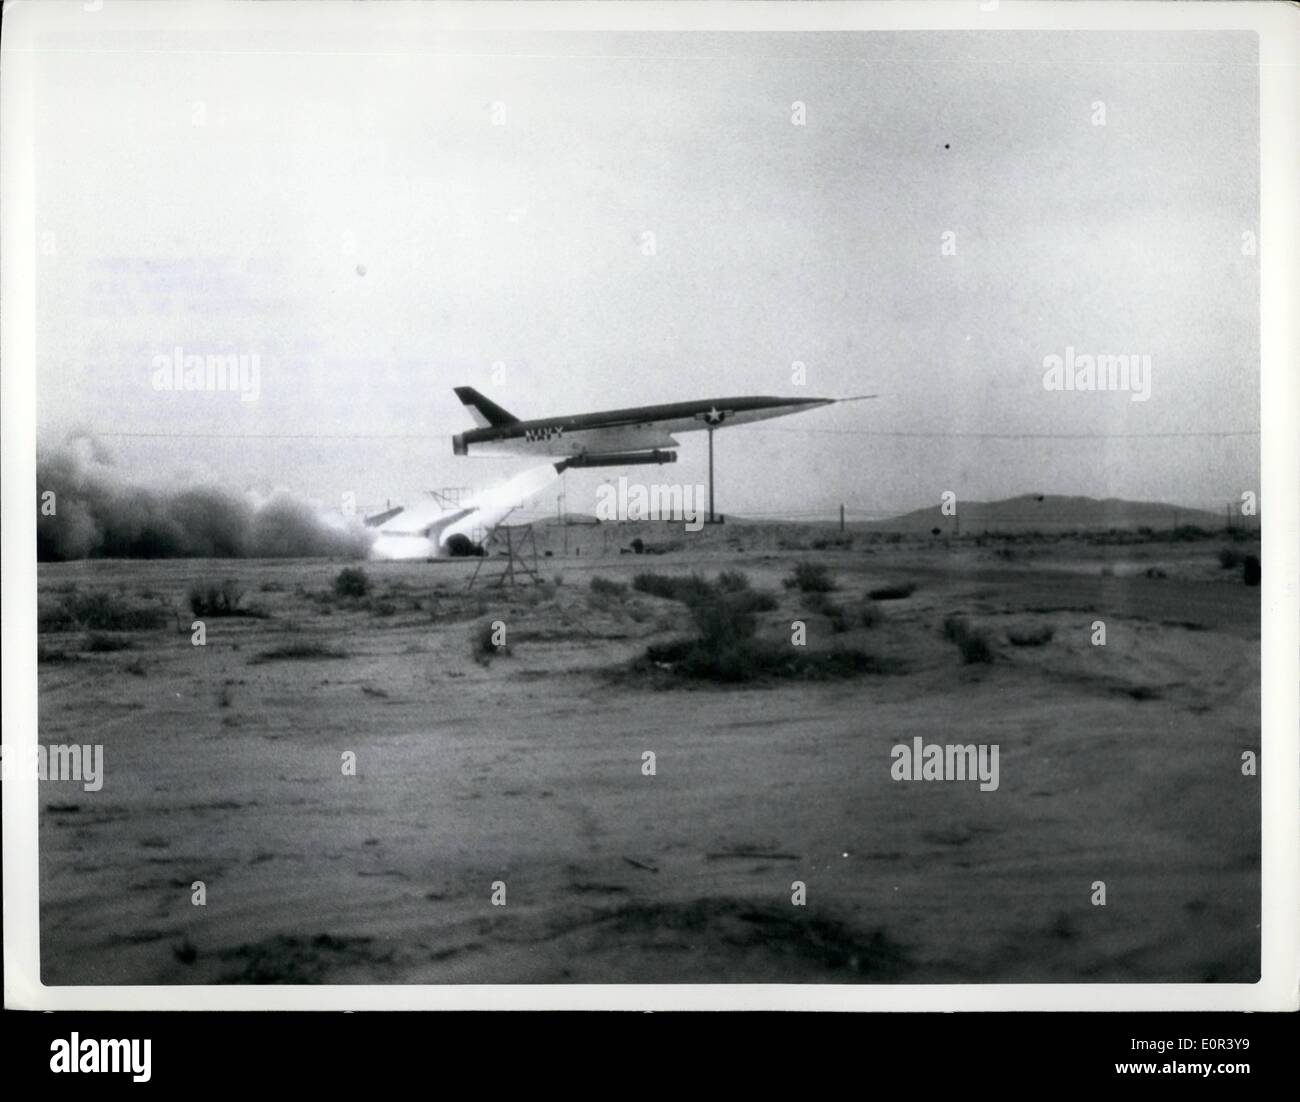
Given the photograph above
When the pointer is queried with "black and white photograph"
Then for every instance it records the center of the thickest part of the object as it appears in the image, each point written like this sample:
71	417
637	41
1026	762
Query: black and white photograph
600	495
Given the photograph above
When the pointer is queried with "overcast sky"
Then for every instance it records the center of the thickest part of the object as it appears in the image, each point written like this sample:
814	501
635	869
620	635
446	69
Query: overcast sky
351	211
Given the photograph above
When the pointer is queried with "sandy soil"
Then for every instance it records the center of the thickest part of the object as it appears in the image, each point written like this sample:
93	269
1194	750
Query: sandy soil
1118	763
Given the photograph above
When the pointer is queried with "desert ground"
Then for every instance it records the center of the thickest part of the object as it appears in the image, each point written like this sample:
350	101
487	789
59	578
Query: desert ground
478	766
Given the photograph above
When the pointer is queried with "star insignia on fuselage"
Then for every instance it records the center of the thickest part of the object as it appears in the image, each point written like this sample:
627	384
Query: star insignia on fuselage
715	416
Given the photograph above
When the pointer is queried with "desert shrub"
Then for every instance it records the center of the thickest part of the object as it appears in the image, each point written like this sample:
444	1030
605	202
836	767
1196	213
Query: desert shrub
753	600
892	592
1250	571
351	582
728	650
810	577
1229	557
975	647
804	665
832	543
383	608
298	649
733	581
722	622
838	617
54	618
484	643
816	601
973	643
98	642
675	587
718	600
603	587
753	660
100	611
821	603
1185	532
724	649
871	614
212	599
1035	637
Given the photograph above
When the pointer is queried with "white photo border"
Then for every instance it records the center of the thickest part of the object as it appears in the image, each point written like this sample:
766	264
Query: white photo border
1278	27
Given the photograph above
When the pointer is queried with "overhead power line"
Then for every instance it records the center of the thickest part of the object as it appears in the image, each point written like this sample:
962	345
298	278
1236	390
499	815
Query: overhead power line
746	428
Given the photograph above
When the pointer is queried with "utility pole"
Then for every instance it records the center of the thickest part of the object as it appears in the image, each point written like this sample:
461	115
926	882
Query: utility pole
710	476
561	507
841	518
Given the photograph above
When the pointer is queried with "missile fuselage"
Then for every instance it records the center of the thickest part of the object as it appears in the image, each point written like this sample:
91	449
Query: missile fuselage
622	431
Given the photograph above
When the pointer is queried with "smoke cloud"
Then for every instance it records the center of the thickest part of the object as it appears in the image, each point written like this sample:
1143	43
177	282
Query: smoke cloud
96	513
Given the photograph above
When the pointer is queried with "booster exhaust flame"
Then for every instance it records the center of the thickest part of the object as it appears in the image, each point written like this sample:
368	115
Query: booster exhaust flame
431	531
96	513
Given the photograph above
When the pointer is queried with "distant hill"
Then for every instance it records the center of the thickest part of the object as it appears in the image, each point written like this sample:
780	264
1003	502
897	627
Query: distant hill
1047	513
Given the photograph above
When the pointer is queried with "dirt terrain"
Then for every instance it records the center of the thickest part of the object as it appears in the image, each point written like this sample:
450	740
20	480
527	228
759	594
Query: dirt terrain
478	767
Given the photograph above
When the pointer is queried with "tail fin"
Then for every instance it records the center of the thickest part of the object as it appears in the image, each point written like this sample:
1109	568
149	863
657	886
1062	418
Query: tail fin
486	413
